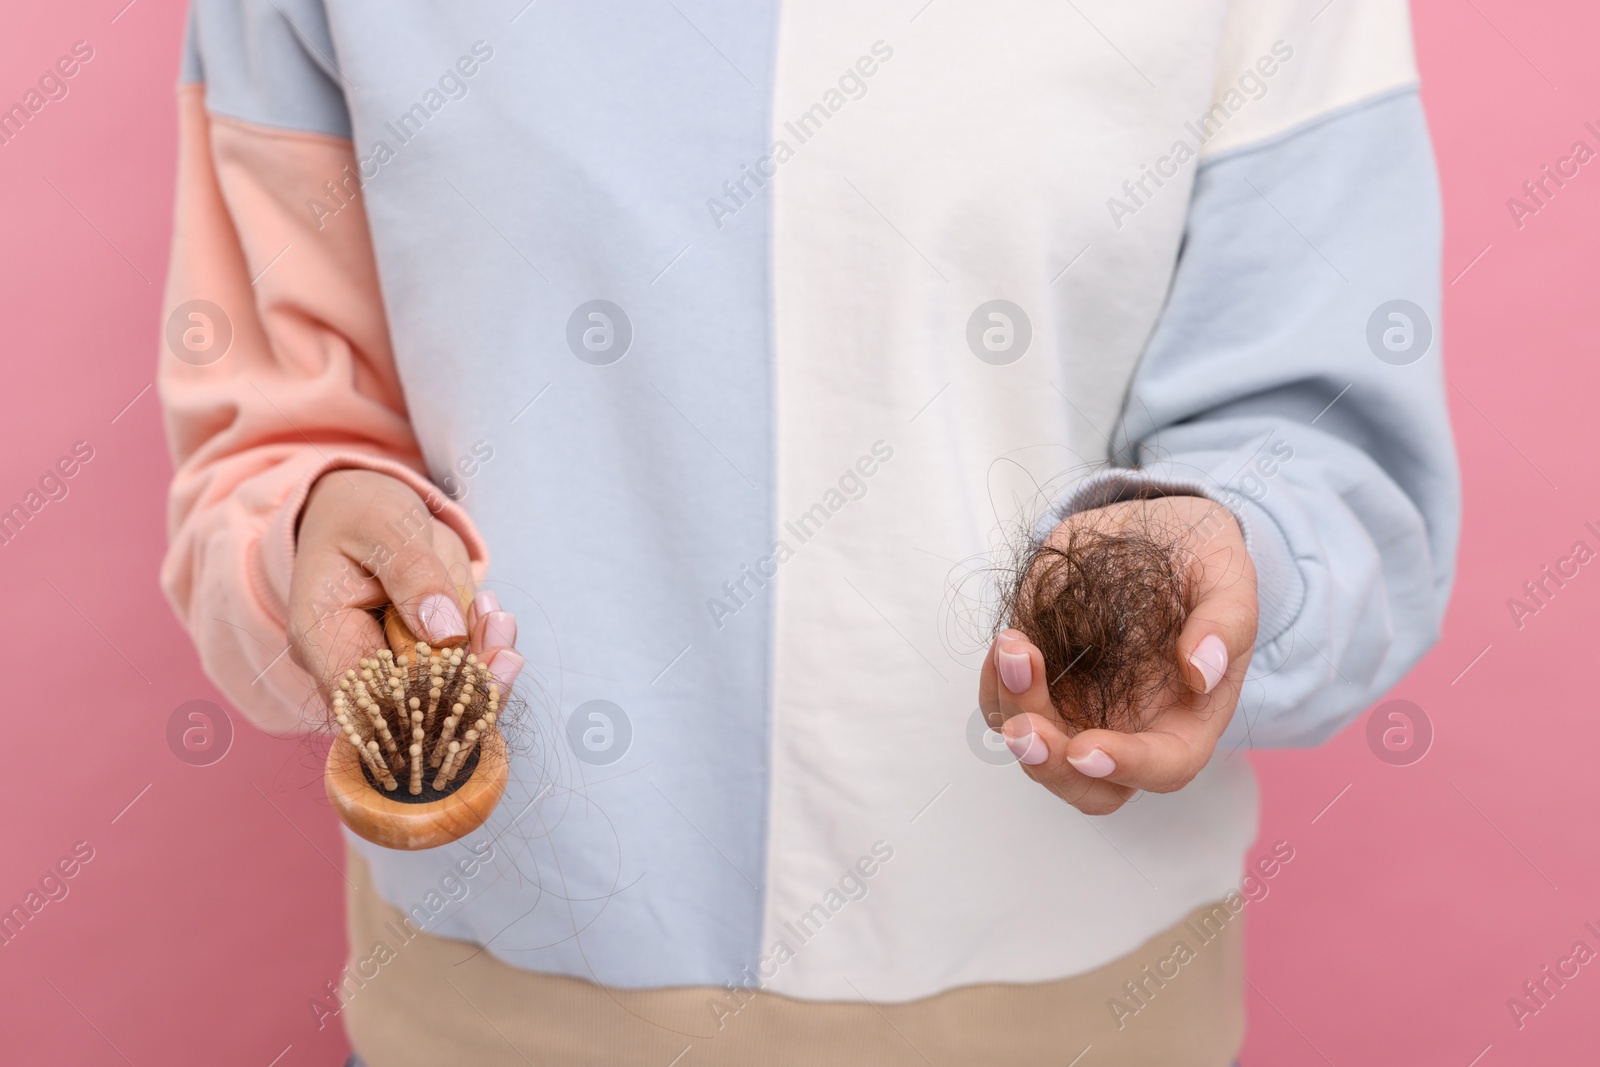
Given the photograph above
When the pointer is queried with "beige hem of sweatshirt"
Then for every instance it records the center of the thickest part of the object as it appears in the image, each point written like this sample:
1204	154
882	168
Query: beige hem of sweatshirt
436	1001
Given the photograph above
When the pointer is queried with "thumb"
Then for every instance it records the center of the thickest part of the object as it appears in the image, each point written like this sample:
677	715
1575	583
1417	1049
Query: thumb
419	584
1220	632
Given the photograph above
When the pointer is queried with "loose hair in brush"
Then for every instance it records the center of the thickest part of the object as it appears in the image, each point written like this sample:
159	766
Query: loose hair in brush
420	759
426	706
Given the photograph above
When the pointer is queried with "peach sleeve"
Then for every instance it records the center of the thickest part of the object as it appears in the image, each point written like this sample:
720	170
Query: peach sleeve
307	384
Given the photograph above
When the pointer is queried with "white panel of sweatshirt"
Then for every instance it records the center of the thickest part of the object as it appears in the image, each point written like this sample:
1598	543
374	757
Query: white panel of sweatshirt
980	164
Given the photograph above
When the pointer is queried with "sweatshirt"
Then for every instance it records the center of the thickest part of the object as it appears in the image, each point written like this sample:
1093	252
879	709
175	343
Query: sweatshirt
747	334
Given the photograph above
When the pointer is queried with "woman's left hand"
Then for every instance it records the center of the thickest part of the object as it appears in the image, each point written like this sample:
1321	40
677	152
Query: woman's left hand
1097	771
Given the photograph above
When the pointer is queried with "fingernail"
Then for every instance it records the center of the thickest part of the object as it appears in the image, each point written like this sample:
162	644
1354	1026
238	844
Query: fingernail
1029	748
441	618
1096	764
1210	658
506	666
485	603
499	629
1016	670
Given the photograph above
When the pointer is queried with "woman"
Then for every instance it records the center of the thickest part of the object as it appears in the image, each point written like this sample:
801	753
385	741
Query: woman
733	329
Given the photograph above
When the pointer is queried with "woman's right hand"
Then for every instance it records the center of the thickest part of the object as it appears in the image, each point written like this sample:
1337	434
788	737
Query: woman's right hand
365	540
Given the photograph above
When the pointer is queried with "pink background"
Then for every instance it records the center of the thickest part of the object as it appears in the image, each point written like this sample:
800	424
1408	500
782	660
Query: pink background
1417	903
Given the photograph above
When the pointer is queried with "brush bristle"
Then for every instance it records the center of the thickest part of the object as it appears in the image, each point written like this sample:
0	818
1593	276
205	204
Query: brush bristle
387	707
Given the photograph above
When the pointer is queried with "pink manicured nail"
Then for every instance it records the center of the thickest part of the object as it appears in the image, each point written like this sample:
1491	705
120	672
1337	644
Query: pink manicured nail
1028	747
1016	670
1096	764
507	665
499	629
485	603
441	619
1210	658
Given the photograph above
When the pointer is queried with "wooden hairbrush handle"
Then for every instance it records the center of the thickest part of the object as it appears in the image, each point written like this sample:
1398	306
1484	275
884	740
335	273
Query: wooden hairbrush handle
400	637
381	818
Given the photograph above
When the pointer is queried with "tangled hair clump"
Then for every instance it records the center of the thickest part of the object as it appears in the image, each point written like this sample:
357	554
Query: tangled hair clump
1105	605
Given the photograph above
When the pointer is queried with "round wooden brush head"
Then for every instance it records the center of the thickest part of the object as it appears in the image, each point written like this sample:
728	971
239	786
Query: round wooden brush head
429	807
381	819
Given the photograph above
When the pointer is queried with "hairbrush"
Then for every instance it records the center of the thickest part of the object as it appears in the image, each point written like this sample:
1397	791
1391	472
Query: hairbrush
419	760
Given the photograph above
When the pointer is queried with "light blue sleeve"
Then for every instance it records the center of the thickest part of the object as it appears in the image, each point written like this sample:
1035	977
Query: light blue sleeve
1287	380
268	62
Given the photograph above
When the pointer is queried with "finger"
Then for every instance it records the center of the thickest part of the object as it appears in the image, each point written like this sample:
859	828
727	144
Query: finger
420	584
988	697
452	552
1023	699
339	641
1221	626
1221	630
497	629
996	698
494	632
330	627
505	664
483	602
1038	739
1160	760
1020	685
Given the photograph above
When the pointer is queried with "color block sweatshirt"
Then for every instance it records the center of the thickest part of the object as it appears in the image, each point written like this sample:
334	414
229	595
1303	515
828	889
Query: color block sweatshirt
742	332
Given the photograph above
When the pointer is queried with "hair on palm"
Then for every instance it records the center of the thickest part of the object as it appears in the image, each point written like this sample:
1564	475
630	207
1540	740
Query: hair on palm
1105	606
